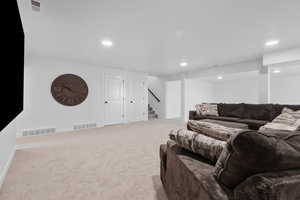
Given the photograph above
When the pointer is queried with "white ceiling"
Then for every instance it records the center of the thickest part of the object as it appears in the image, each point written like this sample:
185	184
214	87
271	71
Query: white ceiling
154	35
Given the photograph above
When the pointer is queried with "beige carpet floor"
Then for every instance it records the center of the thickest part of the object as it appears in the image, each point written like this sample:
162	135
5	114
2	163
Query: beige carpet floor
118	162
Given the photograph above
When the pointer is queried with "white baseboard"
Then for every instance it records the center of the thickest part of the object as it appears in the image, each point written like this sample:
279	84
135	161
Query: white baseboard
6	167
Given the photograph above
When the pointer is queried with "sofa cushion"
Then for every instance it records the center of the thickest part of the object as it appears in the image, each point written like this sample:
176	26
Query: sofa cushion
252	152
203	145
288	120
221	118
231	110
277	109
213	130
252	123
288	117
258	112
230	124
207	109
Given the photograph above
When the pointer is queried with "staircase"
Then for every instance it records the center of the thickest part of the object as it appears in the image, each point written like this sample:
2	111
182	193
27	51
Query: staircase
151	113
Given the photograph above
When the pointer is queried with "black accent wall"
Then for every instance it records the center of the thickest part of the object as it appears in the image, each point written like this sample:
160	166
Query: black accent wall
12	64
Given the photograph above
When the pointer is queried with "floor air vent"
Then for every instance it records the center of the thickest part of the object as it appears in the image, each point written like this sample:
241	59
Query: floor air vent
84	126
45	131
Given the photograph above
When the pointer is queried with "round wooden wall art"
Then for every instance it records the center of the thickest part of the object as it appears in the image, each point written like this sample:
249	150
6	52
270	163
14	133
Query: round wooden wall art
69	90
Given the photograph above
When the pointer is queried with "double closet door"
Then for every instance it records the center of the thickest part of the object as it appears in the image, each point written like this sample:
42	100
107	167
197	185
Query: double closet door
125	98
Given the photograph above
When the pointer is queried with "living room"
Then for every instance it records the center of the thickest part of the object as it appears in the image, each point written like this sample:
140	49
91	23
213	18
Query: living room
152	100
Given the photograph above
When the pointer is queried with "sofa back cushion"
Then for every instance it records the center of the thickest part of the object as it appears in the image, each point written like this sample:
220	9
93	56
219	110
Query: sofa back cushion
258	112
252	152
231	110
265	112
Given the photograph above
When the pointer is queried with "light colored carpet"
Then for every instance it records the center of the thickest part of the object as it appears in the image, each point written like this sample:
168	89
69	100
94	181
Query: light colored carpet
112	163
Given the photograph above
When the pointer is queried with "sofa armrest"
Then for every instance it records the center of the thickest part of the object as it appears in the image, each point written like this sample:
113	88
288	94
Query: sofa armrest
282	185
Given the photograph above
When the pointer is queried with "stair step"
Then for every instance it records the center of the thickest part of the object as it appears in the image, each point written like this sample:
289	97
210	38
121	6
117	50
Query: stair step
151	113
154	116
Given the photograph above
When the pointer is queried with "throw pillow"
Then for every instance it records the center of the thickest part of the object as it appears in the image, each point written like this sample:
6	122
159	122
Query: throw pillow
207	109
251	152
205	146
288	120
213	130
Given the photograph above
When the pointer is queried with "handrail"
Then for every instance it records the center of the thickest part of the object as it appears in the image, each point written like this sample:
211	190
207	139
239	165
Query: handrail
157	99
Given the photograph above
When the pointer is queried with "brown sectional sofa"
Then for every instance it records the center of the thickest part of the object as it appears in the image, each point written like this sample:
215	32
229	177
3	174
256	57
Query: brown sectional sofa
188	176
255	115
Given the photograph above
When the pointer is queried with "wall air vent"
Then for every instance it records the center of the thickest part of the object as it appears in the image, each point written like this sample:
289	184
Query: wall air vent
36	5
84	126
45	131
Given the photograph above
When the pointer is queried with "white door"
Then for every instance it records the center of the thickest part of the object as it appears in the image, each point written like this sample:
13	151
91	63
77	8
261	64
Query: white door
114	99
136	99
173	99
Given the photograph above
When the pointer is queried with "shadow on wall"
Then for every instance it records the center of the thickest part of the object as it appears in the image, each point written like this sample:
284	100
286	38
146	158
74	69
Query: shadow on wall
158	187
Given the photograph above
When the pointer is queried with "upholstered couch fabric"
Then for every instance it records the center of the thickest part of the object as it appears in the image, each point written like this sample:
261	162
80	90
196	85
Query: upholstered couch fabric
227	123
252	152
188	176
282	185
213	130
251	123
254	115
206	146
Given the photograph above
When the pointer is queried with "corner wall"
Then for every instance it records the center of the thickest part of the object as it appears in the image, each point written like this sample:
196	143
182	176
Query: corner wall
7	148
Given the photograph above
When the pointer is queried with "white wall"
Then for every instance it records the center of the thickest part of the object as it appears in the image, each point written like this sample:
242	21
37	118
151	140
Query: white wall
285	89
173	99
7	148
40	108
284	86
234	88
197	91
157	85
236	91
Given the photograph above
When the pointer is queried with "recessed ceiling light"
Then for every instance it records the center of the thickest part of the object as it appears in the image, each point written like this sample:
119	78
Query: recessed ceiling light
271	43
220	77
107	43
276	71
183	64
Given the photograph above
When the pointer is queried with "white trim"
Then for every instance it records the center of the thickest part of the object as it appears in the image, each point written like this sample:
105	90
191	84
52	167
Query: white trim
7	166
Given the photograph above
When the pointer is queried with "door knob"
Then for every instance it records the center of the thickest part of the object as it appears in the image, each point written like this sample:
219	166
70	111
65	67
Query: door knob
105	101
131	101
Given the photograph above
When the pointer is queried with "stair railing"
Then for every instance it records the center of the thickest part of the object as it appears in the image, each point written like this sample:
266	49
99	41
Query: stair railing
155	97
